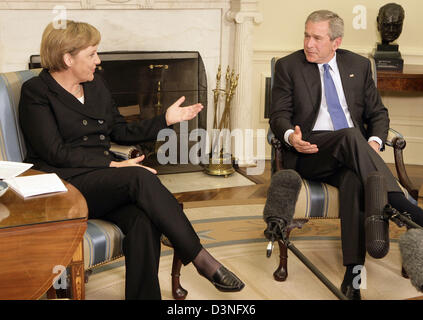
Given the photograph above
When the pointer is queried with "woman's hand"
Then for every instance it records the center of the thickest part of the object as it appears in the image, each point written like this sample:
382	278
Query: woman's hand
134	162
175	113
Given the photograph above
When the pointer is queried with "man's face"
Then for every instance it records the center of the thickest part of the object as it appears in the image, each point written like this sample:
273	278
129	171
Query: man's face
318	47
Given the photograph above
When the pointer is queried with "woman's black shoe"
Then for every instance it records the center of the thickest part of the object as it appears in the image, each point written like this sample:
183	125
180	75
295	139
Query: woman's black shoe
226	281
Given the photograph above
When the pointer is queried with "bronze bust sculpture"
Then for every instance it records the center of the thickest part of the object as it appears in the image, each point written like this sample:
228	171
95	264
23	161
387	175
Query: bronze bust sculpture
389	24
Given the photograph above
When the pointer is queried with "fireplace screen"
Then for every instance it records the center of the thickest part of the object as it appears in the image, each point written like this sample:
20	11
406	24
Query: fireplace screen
145	84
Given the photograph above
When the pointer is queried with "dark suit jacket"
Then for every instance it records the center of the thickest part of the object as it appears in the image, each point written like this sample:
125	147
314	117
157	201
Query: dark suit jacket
69	138
297	92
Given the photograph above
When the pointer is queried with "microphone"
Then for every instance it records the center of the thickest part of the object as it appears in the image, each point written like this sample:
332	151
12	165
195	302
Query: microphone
376	225
279	209
411	248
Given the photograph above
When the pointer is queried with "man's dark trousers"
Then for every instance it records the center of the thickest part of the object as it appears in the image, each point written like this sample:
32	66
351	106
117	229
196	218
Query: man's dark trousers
344	160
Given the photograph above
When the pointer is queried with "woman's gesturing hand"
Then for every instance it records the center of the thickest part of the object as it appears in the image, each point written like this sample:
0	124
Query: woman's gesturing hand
134	162
175	113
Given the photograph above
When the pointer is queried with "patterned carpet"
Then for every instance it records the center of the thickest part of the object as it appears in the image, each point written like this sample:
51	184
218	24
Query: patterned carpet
234	234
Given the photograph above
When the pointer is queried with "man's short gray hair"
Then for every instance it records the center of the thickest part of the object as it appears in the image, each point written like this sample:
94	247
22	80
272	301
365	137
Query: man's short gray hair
336	24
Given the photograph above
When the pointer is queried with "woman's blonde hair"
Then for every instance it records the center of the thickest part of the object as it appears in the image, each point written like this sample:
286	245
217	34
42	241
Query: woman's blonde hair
57	41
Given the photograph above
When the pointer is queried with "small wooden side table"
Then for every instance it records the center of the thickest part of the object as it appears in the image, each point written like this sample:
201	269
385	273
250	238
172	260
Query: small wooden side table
409	80
37	235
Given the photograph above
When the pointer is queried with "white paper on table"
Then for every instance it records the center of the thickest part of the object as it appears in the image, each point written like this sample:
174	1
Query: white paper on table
29	186
10	169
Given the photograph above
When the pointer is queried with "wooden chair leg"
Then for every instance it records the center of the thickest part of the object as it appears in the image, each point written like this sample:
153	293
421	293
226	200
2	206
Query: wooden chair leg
281	272
178	292
88	273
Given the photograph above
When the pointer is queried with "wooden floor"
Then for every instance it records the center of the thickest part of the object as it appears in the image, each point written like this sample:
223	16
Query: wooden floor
230	196
258	192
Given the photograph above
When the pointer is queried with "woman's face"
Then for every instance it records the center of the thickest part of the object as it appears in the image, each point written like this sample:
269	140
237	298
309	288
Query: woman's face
84	63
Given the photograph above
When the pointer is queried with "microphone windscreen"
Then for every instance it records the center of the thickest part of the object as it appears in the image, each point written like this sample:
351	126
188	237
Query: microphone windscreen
282	195
411	248
376	225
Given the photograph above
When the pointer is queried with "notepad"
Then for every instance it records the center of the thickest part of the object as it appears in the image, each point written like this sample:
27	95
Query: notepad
9	169
40	184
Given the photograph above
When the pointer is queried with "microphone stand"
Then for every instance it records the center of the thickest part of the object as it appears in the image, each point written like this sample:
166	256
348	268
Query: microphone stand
400	218
338	293
278	231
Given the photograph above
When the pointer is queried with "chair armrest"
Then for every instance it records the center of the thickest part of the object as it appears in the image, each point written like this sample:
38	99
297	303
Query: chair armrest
276	144
397	142
125	152
277	147
392	134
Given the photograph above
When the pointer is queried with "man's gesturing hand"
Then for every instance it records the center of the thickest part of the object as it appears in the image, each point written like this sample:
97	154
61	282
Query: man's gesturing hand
295	139
375	146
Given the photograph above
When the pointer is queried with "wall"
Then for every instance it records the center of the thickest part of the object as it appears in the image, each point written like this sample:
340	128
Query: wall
281	32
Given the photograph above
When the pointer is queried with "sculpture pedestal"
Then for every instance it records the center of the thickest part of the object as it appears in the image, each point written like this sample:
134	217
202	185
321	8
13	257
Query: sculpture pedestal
387	57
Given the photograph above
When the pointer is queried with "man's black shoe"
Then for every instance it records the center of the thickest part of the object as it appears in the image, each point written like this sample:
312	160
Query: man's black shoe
349	291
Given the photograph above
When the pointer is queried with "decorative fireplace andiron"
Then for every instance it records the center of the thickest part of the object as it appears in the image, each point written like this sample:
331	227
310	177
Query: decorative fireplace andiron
221	159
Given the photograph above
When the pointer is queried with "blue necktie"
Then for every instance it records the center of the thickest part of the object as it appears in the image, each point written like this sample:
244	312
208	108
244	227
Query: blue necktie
334	106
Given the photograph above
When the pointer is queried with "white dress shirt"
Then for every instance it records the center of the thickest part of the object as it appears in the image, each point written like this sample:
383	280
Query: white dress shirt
324	121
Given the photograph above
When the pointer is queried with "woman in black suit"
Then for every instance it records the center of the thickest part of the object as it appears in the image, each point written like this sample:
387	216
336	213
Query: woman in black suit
68	118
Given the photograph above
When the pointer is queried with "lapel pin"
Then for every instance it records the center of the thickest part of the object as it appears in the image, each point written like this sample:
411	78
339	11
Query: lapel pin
352	75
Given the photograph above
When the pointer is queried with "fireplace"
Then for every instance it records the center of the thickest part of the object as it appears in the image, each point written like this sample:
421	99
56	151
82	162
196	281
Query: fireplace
145	84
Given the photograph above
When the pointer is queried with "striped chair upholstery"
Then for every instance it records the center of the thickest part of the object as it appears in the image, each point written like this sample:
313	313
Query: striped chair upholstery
102	243
102	240
12	145
320	200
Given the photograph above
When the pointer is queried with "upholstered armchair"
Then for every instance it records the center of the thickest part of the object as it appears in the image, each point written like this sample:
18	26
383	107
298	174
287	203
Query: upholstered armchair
102	239
319	200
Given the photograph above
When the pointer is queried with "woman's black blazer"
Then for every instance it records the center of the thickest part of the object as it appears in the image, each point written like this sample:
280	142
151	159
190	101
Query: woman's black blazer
69	138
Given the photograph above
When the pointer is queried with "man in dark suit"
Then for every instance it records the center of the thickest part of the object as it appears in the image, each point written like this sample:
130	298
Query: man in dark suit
328	113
